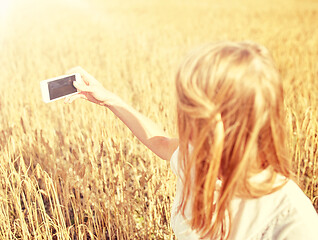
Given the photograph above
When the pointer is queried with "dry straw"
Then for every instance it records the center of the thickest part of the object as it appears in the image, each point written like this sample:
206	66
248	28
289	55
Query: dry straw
75	171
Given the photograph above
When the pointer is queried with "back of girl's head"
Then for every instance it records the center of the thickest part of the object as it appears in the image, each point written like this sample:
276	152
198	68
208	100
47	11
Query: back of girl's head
230	110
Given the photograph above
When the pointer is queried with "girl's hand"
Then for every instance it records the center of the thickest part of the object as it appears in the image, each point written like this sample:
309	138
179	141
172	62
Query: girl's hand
91	90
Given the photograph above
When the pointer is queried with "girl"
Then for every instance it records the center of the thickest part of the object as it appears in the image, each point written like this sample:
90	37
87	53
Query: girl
231	157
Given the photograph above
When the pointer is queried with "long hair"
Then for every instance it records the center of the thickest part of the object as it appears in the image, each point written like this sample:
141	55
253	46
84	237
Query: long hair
231	127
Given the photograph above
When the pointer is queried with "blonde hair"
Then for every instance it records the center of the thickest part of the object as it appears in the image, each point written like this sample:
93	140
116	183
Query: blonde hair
231	115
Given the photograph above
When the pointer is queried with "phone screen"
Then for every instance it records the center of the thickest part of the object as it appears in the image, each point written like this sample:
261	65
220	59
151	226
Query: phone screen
61	87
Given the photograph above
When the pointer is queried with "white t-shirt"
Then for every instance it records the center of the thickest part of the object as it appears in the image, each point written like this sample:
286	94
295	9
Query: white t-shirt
285	214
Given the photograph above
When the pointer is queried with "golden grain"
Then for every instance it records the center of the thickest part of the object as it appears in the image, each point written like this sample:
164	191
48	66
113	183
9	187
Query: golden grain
75	171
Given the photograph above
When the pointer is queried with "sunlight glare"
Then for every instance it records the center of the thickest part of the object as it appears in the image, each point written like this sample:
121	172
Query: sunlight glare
5	6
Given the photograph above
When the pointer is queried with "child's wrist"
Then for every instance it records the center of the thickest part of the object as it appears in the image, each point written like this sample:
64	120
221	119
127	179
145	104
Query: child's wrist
114	103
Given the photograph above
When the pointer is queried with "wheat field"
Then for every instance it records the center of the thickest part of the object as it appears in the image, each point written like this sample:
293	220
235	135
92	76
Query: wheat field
75	171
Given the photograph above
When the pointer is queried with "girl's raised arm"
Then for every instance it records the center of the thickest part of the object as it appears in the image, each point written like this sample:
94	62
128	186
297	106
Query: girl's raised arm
142	127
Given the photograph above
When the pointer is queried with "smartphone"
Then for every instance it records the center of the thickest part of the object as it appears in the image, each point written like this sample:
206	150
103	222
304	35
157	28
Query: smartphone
59	87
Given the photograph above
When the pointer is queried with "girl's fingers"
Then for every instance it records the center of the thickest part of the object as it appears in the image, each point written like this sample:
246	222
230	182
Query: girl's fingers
72	98
85	75
81	87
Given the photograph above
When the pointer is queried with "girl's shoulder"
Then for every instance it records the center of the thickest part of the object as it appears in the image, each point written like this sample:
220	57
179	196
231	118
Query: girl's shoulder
285	214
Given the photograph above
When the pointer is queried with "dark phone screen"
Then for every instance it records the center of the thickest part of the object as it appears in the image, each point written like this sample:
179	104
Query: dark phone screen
61	87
